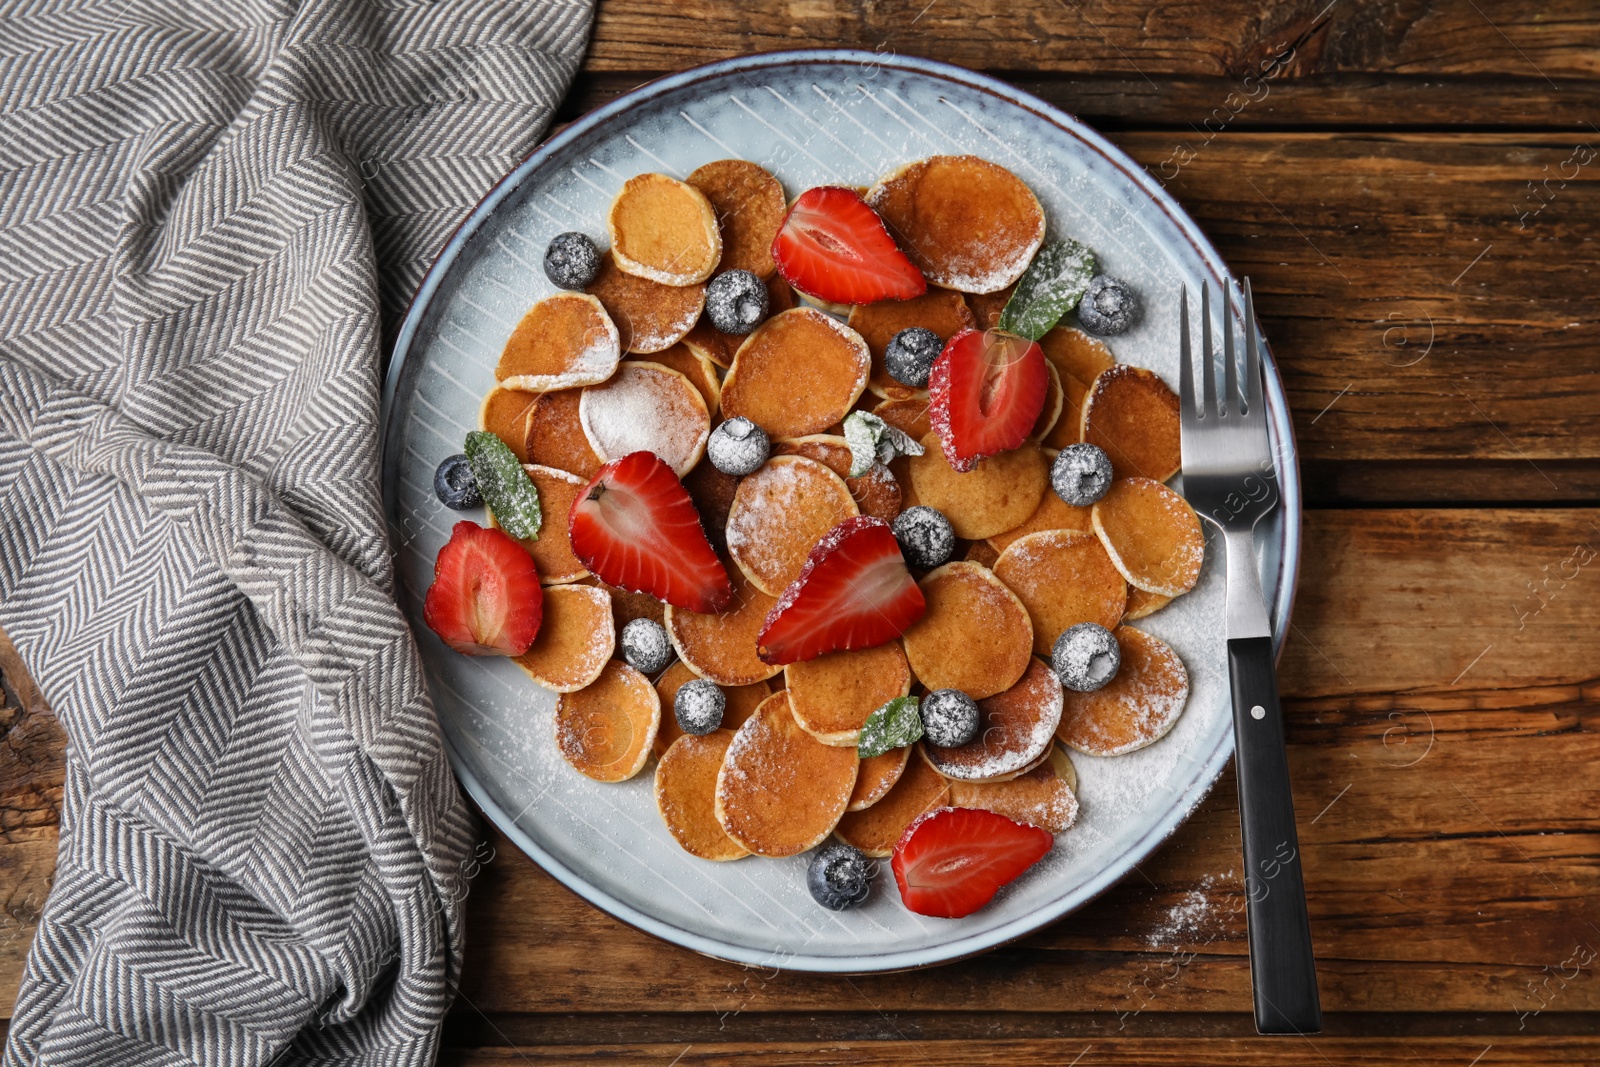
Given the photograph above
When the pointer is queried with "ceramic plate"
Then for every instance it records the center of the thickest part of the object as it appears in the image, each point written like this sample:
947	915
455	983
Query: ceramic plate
811	118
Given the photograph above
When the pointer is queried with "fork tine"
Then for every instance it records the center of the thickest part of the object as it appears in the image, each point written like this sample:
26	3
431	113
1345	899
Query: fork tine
1252	355
1185	366
1208	374
1230	372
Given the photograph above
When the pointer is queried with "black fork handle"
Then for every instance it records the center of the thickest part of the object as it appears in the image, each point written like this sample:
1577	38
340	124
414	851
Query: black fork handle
1283	973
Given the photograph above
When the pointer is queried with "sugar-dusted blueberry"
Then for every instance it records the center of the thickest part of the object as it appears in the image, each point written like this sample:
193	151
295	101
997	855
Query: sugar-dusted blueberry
1108	307
738	447
454	484
699	706
1086	657
646	647
571	260
736	301
927	540
910	354
840	877
949	718
1081	474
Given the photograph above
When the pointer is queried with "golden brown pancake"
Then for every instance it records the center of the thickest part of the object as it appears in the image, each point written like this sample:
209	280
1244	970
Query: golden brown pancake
627	605
982	552
1132	415
605	729
907	416
505	414
723	647
974	636
1078	360
552	553
876	776
779	514
649	316
1134	709
1015	730
1152	535
555	435
996	495
940	310
1141	604
693	365
986	307
1039	798
1054	402
646	407
712	492
876	492
742	702
1053	513
686	795
750	207
797	373
664	230
719	347
576	639
832	695
563	341
1063	577
877	830
781	791
967	223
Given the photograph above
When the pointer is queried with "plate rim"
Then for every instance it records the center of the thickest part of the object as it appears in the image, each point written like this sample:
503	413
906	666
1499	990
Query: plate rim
1288	478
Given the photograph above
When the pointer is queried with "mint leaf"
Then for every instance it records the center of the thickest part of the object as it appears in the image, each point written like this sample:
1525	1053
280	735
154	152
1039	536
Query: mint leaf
872	440
1051	286
895	725
510	493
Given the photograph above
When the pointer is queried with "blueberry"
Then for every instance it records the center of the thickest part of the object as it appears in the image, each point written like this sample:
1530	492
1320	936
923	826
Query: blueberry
910	354
949	718
646	647
1108	307
736	301
738	447
1086	657
455	486
840	877
699	706
1081	474
927	540
571	261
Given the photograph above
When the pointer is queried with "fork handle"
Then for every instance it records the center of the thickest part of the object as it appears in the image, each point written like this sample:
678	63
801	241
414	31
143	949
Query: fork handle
1283	973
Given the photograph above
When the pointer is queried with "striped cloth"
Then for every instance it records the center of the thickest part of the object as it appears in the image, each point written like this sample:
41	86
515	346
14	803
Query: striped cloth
211	214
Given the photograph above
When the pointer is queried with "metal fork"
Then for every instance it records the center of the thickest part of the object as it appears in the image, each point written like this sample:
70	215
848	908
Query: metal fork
1228	477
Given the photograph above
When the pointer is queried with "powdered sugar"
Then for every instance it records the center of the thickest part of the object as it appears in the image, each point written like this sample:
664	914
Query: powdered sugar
646	407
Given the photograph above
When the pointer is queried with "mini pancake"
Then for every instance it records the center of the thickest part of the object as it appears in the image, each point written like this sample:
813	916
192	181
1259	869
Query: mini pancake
647	407
575	639
563	341
876	492
1063	577
627	605
649	316
1015	730
982	552
1134	709
996	495
832	695
742	702
940	310
552	553
797	373
876	776
1054	402
750	207
712	492
555	435
1078	359
986	307
780	790
779	514
719	347
967	223
1152	535
1141	603
877	830
686	795
605	729
723	647
1053	513
505	414
975	635
664	230
693	365
1041	797
907	416
1133	415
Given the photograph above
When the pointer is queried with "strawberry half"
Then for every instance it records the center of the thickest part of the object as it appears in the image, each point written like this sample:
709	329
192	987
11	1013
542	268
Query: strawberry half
485	598
634	526
952	861
985	393
834	247
854	592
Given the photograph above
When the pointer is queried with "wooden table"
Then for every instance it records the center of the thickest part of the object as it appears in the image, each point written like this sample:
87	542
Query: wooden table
1412	187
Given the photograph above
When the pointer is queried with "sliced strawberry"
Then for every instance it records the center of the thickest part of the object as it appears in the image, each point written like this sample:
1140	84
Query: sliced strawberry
834	247
634	526
985	393
952	861
854	592
485	598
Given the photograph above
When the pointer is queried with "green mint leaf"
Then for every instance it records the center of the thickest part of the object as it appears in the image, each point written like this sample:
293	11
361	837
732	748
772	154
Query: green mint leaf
510	493
1048	289
895	725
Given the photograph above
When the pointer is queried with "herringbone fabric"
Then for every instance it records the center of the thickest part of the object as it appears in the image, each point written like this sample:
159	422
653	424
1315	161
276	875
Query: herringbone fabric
210	213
